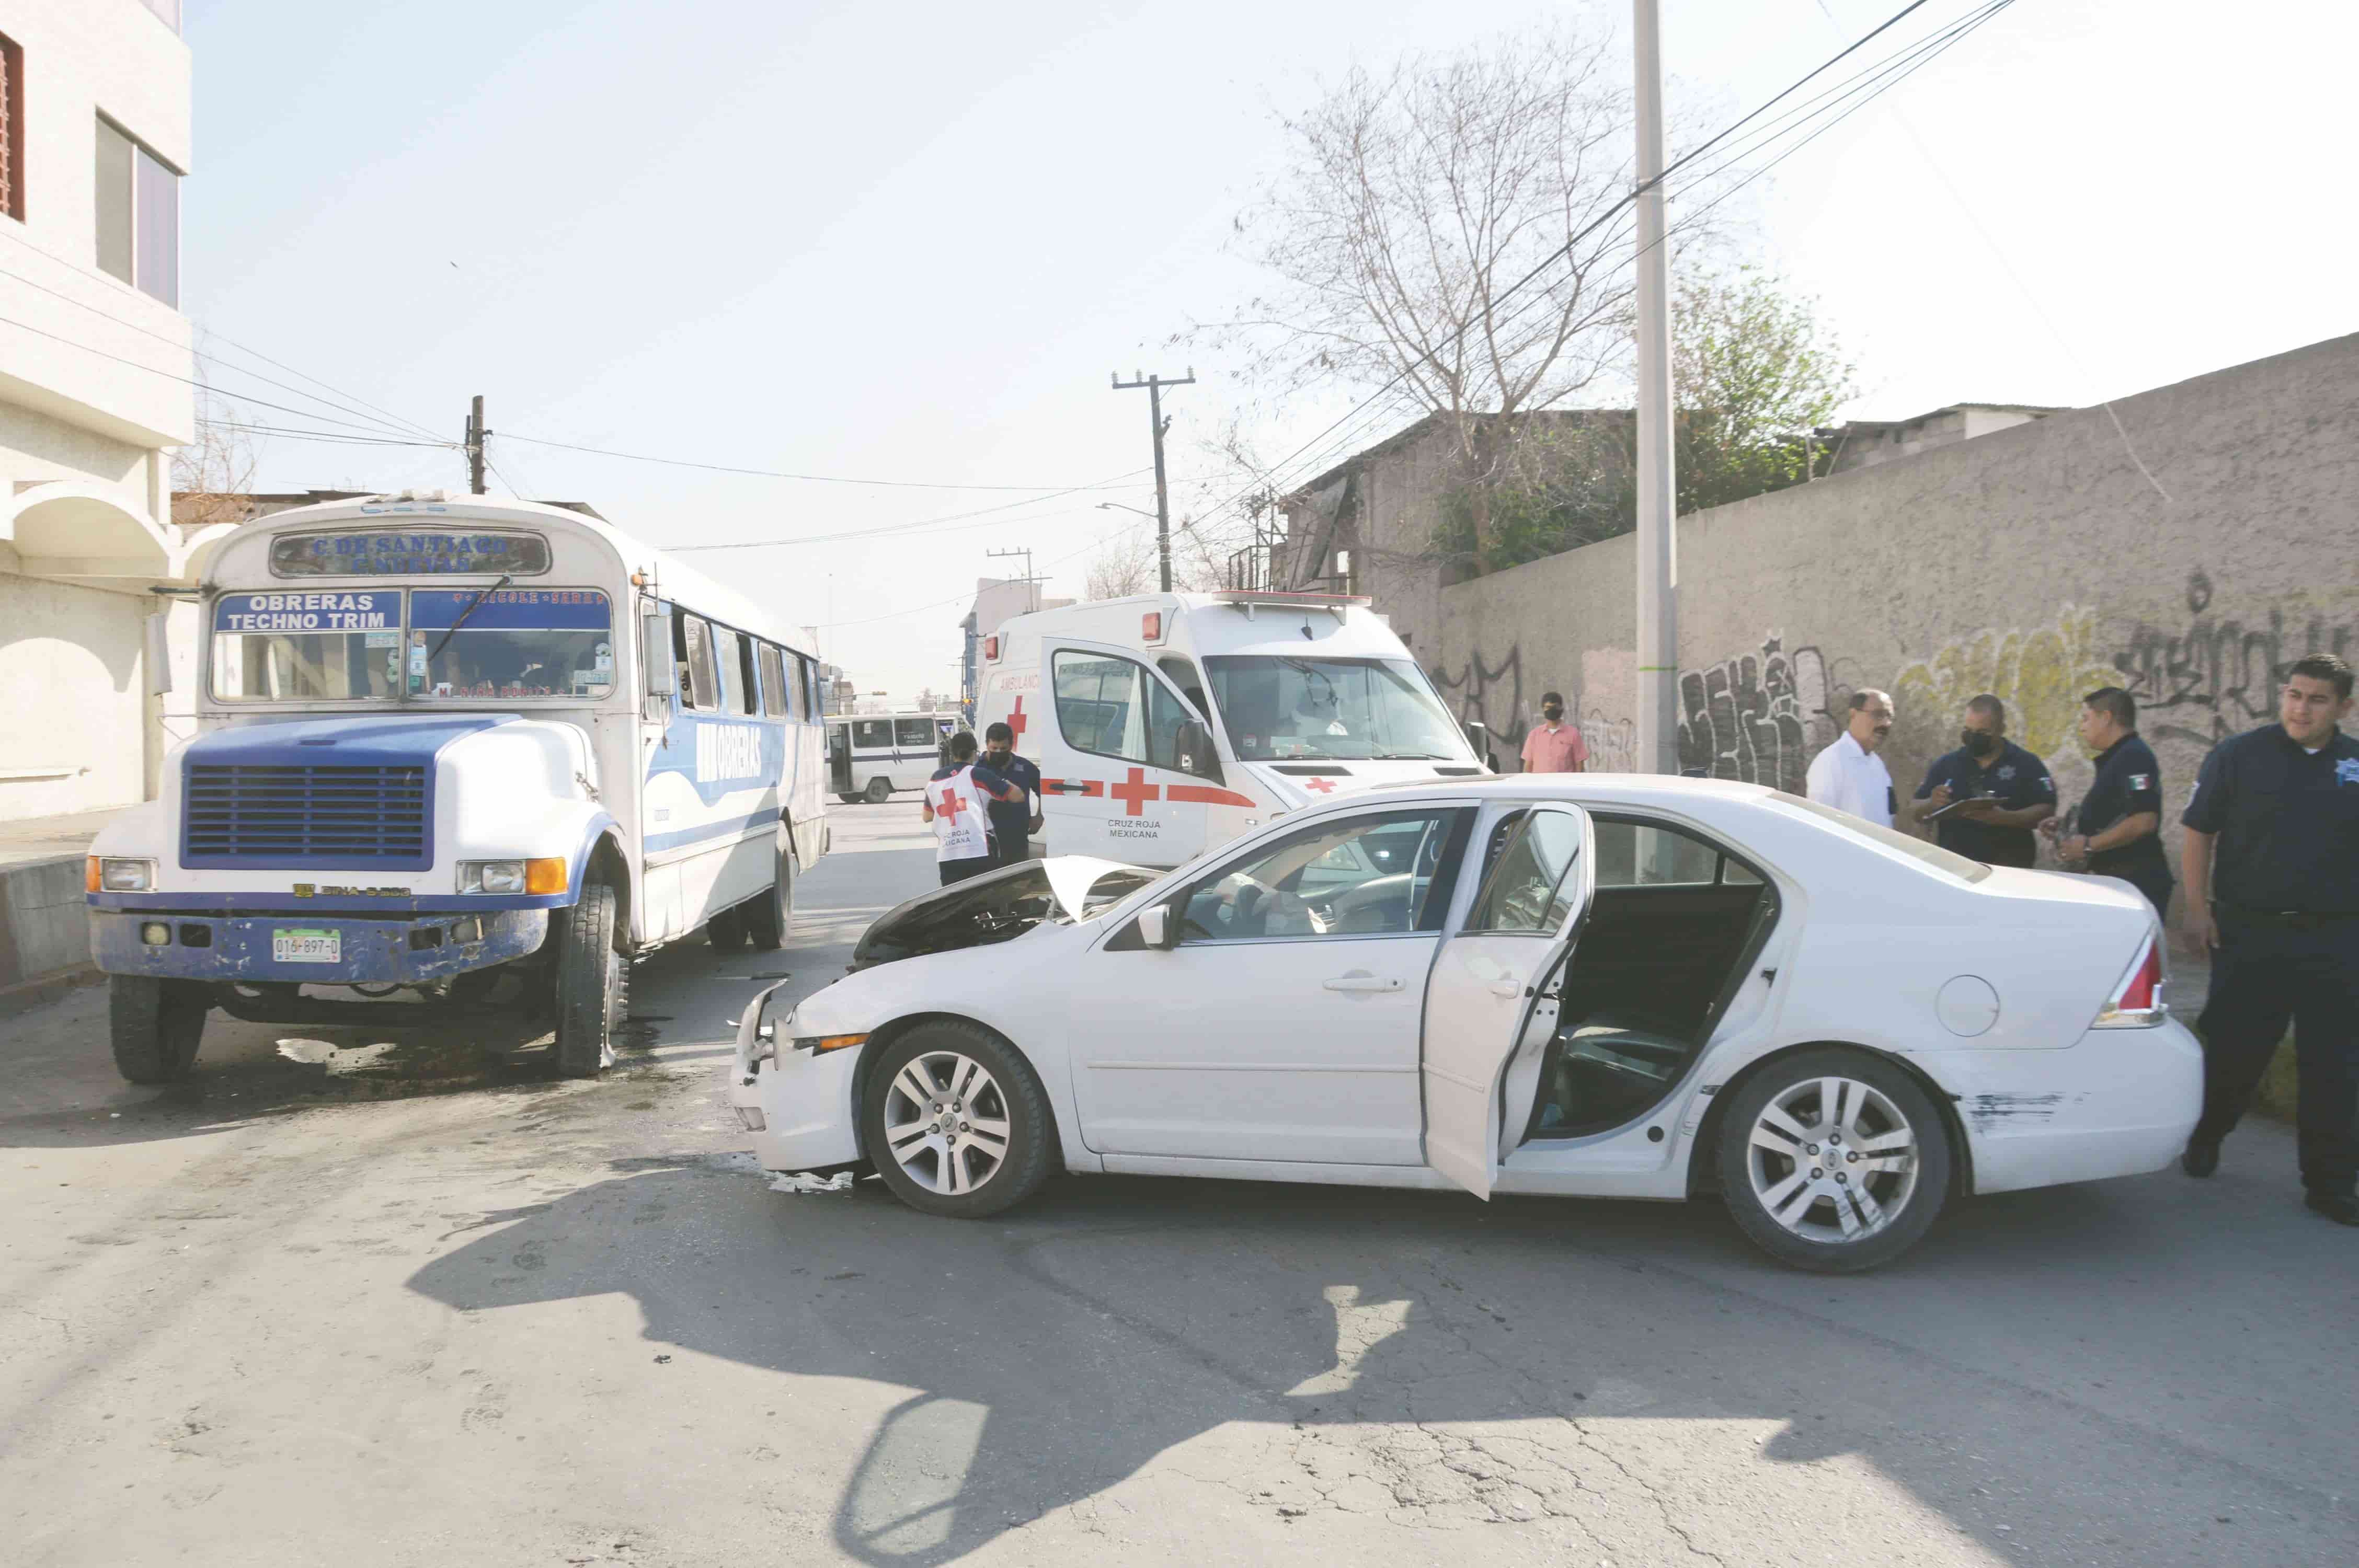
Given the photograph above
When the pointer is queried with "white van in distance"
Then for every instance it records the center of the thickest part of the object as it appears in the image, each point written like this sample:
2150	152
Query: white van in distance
869	756
1166	724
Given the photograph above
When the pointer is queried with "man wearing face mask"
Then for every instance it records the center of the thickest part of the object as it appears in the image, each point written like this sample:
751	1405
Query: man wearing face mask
1553	746
1985	798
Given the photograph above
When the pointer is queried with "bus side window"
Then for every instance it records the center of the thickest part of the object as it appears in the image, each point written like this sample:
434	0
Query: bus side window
749	685
810	685
774	682
698	691
729	656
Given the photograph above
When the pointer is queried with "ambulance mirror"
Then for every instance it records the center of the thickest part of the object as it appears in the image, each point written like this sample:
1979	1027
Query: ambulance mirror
1193	748
1478	735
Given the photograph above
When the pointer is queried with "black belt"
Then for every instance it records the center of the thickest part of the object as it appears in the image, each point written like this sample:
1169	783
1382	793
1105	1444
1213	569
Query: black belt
2292	919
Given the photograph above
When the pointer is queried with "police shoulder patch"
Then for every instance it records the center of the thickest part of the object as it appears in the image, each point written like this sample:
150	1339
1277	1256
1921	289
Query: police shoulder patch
2141	781
2346	770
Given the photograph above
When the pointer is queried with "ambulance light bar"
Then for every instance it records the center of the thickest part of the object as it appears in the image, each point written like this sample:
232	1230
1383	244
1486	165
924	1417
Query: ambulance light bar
1251	600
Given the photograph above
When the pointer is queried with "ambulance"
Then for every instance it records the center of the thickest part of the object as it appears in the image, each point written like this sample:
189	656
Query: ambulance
1168	724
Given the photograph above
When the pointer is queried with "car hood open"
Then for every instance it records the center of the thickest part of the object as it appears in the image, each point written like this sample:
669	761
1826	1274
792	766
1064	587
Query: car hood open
998	906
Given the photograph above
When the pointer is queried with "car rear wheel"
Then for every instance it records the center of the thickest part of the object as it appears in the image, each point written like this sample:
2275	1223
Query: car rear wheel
880	790
956	1122
1834	1160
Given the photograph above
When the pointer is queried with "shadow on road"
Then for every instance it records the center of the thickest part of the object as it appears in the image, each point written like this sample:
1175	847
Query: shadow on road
1421	1357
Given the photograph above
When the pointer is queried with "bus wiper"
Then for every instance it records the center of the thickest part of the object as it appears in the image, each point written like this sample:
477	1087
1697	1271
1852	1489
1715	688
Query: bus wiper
464	616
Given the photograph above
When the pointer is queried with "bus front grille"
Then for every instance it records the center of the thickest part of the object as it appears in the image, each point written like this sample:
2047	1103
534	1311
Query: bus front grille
305	816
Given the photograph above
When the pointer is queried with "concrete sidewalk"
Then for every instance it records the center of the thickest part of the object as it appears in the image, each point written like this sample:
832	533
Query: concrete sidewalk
44	923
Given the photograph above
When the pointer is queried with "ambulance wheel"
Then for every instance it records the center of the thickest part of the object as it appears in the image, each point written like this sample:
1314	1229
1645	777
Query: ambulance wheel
770	920
154	1026
726	930
593	986
880	790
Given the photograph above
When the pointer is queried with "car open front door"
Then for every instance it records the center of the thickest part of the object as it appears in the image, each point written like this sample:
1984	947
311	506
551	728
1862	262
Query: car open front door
1485	1003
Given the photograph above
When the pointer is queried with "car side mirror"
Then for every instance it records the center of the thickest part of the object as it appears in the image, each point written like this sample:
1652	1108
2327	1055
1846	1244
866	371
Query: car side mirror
1156	927
1193	749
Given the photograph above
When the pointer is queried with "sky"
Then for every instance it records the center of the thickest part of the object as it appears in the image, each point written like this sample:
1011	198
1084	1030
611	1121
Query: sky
914	243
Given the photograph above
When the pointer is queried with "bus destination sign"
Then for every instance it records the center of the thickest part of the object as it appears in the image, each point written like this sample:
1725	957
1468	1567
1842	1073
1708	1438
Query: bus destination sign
386	553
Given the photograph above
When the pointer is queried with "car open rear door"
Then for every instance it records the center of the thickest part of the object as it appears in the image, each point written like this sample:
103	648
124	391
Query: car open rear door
1484	1004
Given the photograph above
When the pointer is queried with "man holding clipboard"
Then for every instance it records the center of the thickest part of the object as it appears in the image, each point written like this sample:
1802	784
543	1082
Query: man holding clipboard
1987	798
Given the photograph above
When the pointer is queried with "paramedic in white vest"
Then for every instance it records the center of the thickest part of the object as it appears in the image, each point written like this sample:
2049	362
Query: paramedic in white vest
1849	775
955	805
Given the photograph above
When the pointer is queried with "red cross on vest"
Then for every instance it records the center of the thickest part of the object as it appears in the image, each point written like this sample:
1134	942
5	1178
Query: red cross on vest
1016	721
950	804
1135	792
1324	786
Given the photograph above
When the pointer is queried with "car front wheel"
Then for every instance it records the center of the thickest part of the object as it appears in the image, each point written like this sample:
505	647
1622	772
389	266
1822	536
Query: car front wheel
956	1122
1834	1160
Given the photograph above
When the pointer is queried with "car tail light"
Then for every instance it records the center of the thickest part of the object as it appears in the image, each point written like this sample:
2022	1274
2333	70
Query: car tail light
2136	1001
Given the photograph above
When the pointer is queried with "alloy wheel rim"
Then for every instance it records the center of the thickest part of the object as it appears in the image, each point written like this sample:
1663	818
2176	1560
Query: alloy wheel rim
1832	1160
946	1123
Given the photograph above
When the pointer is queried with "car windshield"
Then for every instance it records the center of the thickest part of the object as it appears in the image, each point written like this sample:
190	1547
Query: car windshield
1932	855
525	641
296	647
1279	707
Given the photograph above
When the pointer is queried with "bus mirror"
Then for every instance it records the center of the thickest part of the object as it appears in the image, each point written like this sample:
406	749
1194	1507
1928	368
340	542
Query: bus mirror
655	657
159	653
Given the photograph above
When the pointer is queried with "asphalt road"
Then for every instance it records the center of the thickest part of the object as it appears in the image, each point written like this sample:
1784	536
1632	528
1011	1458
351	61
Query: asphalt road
390	1299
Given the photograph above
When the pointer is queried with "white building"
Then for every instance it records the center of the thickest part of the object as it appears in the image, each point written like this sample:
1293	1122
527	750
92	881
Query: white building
94	391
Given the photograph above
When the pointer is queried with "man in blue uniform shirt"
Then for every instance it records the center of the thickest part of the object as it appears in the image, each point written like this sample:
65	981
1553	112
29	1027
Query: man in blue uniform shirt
1012	823
1984	799
2119	825
2272	862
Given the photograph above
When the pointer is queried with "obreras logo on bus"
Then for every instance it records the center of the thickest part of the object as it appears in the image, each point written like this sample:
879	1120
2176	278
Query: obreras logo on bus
728	752
306	613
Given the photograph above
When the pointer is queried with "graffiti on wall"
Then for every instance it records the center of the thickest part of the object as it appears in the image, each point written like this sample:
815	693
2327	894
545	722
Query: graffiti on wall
1757	717
1493	697
1612	742
2212	677
2040	675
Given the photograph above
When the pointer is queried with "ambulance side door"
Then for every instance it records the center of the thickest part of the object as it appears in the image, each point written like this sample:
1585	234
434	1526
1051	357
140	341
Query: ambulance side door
1110	779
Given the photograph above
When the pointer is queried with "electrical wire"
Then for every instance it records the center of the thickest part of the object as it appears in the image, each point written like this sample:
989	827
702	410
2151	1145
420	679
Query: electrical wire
325	436
819	478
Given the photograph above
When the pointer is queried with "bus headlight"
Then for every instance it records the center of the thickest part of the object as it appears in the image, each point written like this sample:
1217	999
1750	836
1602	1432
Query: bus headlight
110	875
491	876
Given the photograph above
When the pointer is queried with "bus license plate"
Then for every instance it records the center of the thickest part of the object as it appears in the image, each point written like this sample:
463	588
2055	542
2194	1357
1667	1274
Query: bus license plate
301	945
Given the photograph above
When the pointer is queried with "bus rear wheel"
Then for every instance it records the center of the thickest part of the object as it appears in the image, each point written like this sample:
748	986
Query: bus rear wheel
155	1026
880	790
593	986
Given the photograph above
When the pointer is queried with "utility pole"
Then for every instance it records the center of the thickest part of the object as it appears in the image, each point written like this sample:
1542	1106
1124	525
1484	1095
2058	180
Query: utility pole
475	434
1155	385
1032	598
1658	561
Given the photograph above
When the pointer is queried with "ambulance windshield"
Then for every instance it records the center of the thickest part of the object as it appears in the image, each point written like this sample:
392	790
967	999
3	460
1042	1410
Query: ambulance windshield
1277	708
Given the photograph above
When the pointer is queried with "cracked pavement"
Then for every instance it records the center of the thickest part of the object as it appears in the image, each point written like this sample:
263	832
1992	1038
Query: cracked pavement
401	1301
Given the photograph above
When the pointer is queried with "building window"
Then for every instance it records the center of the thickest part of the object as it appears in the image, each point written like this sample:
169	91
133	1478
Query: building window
12	129
138	215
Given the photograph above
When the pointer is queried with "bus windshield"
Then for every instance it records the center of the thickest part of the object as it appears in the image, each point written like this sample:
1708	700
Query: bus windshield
461	642
521	641
1277	708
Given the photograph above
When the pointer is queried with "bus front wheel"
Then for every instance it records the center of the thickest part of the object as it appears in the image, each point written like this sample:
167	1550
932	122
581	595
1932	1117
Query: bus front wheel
593	986
155	1026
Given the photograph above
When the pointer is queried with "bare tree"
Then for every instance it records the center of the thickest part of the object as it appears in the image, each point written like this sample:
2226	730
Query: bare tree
1125	566
212	476
1448	227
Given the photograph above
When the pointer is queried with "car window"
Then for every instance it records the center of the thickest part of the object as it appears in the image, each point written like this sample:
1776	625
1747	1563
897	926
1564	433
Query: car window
1527	887
1646	854
915	734
1365	876
876	732
1098	704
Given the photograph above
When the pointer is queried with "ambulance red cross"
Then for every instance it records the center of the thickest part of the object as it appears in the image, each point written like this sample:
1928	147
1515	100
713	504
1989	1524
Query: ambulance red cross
1168	724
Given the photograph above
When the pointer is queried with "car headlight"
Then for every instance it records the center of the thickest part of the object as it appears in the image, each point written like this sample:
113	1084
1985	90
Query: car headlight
548	874
110	875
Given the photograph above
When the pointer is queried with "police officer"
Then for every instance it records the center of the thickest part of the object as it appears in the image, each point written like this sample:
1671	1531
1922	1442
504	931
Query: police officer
1985	797
2118	830
1012	823
2272	865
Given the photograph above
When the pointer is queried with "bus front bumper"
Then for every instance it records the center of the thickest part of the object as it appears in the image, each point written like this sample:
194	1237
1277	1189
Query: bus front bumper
311	949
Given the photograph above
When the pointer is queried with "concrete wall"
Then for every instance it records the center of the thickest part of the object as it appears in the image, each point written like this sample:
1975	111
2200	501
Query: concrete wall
74	709
2035	562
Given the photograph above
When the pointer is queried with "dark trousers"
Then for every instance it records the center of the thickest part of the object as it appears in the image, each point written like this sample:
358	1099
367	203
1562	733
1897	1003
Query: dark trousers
1010	848
2265	975
2155	881
973	866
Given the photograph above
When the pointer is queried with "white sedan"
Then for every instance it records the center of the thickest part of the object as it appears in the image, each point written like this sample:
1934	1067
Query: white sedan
1584	985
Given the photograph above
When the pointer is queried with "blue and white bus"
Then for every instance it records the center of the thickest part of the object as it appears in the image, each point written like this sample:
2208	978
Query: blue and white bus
465	750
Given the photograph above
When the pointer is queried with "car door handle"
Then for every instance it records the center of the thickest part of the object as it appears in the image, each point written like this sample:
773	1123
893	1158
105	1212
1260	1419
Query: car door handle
1363	983
1065	786
1507	988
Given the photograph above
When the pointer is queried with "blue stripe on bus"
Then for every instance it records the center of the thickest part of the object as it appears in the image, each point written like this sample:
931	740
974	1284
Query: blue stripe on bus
738	825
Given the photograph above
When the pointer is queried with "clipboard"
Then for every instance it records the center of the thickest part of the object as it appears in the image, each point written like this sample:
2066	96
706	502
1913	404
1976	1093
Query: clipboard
1962	800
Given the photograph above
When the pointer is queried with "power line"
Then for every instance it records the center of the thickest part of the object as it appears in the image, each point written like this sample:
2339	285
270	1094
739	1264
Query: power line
891	528
324	435
809	478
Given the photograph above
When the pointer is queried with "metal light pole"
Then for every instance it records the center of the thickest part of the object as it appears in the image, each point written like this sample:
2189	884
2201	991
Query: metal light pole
1658	560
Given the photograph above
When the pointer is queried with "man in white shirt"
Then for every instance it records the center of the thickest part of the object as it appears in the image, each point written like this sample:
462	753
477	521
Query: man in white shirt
1849	775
